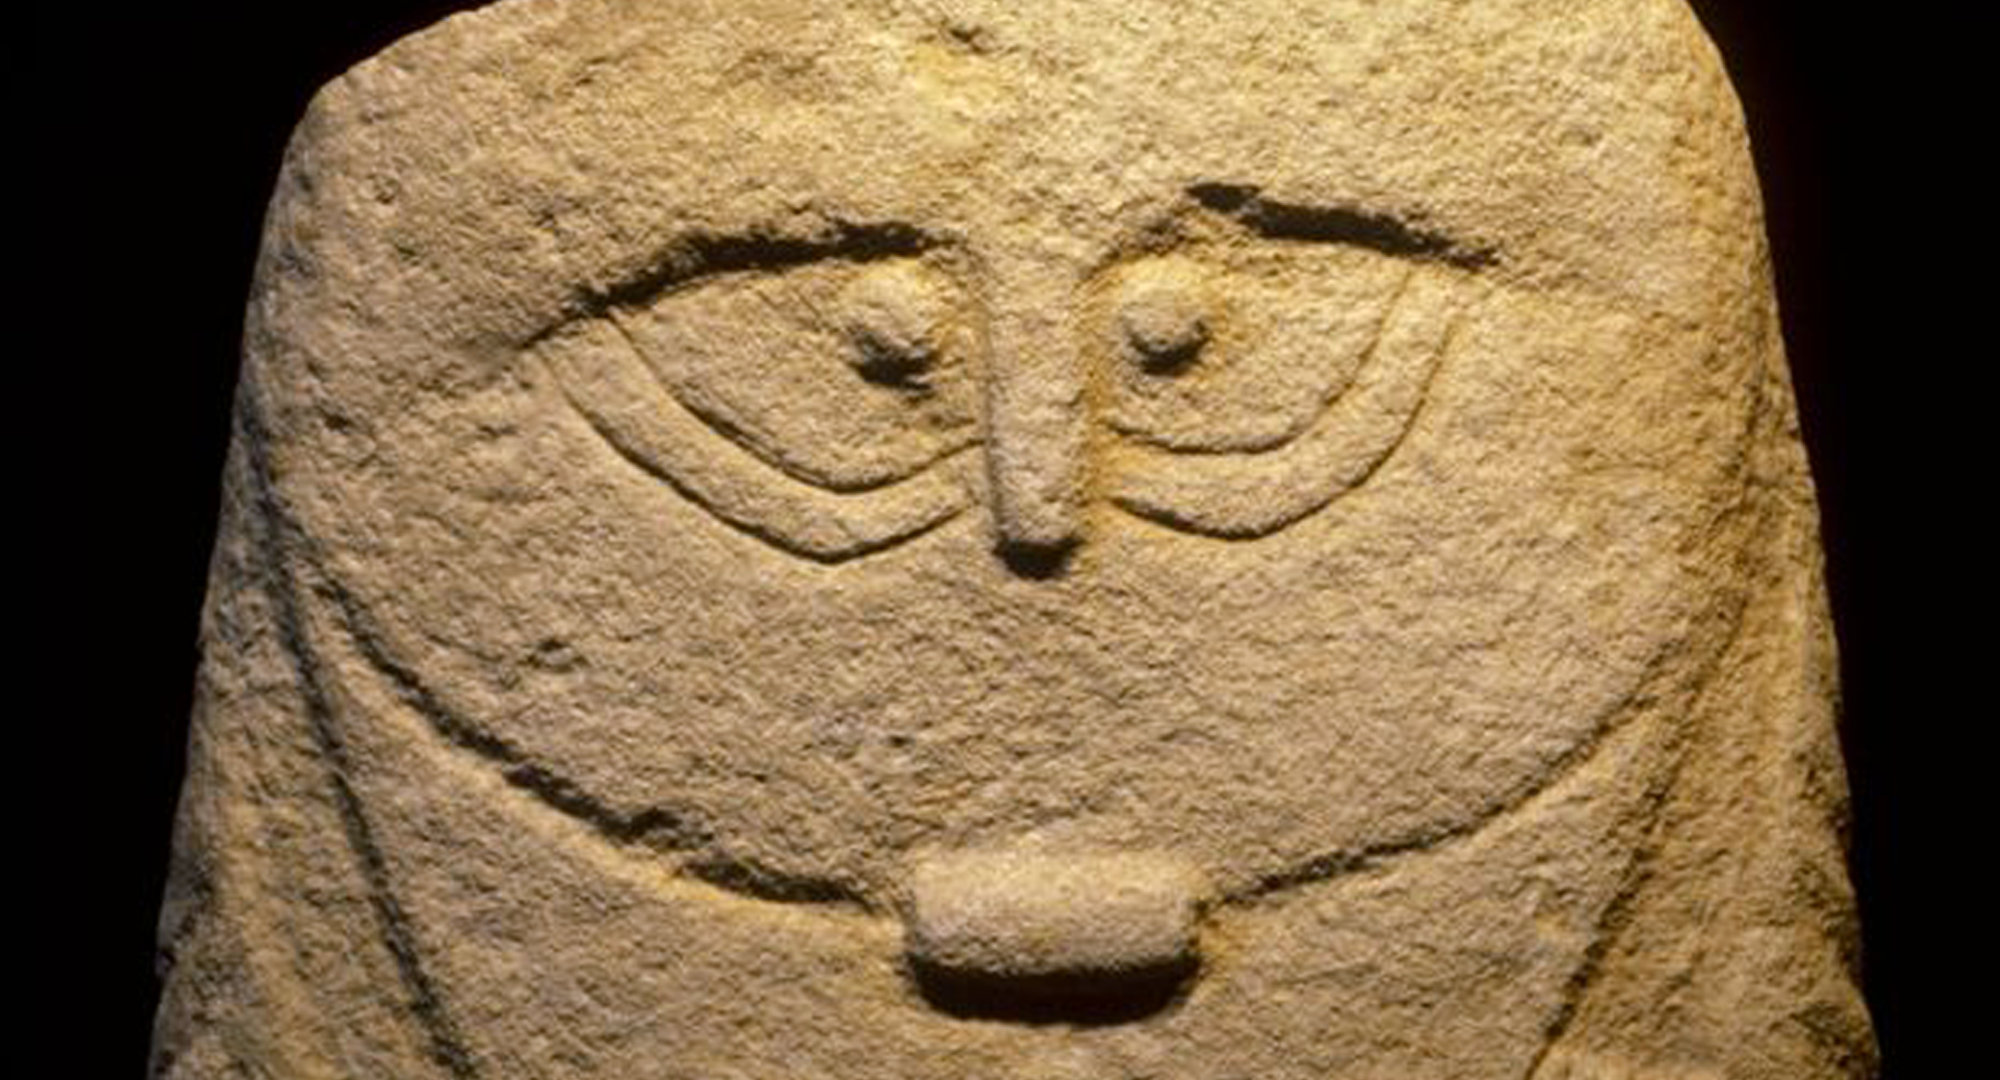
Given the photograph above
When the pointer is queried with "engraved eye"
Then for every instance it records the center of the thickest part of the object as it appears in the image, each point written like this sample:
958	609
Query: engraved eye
767	357
896	323
1237	351
1163	317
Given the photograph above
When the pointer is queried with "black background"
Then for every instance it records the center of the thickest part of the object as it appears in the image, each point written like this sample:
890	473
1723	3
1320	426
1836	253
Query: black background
153	140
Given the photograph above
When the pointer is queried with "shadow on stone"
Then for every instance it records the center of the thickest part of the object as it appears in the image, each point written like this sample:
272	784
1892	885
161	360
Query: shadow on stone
1080	998
1037	562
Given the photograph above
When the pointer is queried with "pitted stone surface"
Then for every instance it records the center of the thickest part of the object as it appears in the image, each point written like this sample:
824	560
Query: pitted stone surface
908	540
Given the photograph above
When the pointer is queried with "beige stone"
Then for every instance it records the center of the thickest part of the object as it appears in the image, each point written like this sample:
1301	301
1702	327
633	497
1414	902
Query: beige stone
1127	540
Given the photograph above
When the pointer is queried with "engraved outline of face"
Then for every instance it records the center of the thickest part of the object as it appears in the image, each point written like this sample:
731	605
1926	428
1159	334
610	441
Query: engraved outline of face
898	310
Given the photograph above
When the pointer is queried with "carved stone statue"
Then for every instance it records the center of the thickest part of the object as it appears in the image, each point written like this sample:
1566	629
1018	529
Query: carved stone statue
1072	540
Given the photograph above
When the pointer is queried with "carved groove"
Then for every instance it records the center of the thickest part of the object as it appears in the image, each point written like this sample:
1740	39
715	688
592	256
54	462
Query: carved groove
653	430
736	436
660	828
670	830
1332	865
601	374
1337	864
1337	225
699	256
666	829
1327	394
1605	933
1245	496
655	827
748	877
447	1046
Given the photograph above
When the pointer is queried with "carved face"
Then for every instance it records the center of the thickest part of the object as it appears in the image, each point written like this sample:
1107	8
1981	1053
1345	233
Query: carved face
1006	541
997	446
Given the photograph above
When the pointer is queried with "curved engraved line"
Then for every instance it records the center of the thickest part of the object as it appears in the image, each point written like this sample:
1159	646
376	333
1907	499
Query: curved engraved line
776	456
1609	728
1275	219
608	384
278	538
692	853
667	830
699	256
1244	496
778	459
1638	706
691	850
1259	444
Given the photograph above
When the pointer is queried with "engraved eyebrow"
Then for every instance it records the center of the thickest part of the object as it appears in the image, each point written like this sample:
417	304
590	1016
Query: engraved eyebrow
1246	204
697	256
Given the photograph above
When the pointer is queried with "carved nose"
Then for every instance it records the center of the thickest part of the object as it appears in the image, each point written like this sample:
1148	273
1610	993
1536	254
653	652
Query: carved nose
1035	434
1032	936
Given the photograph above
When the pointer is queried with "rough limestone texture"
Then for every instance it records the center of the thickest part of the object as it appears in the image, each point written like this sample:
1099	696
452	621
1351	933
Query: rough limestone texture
1057	540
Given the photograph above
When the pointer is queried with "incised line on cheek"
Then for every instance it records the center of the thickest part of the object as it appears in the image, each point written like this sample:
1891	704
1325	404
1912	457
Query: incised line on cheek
677	838
690	847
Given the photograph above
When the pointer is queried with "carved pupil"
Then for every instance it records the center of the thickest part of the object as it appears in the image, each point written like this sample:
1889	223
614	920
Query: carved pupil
1165	325
894	325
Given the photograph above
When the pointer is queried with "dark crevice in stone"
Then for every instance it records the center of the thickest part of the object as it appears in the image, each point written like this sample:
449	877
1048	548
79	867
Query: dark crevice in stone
1036	562
749	878
699	256
1337	225
1072	998
654	827
1337	864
